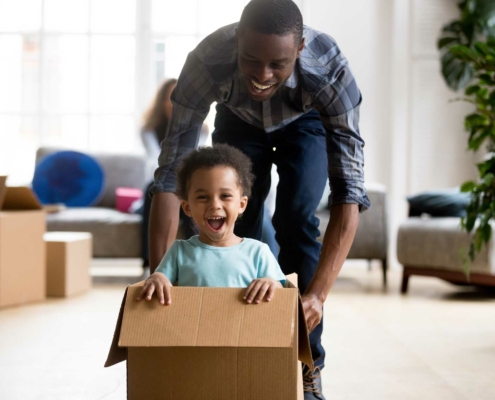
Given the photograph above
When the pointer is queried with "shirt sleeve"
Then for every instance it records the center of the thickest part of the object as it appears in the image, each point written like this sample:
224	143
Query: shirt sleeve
338	104
268	266
169	266
191	101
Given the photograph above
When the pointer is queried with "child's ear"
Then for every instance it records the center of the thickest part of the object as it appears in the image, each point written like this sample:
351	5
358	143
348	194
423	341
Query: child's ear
186	208
243	204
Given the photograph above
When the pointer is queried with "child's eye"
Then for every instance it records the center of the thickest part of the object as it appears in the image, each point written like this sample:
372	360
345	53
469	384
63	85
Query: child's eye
226	195
201	197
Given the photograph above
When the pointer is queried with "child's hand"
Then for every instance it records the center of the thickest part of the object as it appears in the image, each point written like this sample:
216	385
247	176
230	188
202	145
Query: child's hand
157	282
261	288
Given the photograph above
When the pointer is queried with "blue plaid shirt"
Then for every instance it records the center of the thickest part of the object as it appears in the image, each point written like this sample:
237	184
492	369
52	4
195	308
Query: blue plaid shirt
321	80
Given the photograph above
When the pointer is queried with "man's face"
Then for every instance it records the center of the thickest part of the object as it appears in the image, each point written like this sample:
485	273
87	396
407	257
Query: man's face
266	61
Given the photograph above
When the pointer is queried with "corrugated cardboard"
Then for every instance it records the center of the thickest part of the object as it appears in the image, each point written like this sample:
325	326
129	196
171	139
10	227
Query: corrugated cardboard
22	250
211	344
68	259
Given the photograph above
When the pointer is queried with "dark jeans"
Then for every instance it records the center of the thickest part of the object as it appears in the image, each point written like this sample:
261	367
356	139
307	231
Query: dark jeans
299	152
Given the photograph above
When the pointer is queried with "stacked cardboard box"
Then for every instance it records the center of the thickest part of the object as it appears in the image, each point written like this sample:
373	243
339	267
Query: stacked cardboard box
68	262
22	249
211	345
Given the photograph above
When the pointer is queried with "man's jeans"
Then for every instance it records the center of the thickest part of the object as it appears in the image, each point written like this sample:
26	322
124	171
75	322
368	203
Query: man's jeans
299	152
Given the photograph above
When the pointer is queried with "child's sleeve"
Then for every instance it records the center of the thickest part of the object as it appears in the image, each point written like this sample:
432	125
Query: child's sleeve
268	266
169	266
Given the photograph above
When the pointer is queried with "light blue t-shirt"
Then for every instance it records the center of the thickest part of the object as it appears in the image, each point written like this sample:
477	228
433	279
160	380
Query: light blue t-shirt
193	263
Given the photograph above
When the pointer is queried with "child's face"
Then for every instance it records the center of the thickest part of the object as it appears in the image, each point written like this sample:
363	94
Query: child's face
214	202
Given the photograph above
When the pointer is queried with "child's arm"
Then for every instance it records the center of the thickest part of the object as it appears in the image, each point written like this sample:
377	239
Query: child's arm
161	280
270	277
261	288
157	282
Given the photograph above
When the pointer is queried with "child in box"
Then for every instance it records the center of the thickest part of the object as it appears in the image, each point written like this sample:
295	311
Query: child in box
213	184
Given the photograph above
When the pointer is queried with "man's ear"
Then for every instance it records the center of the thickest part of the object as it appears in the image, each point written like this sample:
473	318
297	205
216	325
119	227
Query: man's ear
243	205
301	47
186	207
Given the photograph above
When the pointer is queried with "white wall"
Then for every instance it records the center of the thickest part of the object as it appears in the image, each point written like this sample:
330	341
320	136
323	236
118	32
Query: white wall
414	134
358	28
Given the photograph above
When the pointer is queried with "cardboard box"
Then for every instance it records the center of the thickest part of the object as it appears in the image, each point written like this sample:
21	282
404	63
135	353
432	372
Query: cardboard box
211	345
68	259
22	249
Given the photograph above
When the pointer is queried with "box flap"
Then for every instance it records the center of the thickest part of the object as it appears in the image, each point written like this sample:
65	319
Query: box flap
304	348
20	198
116	353
304	355
291	280
3	189
208	317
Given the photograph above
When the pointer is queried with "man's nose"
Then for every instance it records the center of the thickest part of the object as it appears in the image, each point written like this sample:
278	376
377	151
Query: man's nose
263	74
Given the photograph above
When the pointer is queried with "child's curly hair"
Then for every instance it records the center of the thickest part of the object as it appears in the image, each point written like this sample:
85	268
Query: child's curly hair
210	157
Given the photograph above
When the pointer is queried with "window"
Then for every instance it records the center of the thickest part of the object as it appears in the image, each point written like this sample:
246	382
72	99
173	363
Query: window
78	74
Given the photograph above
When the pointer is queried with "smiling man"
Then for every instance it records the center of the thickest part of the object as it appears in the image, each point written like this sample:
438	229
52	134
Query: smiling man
285	96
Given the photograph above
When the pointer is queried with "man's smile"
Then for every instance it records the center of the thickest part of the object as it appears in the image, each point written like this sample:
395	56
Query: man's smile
260	87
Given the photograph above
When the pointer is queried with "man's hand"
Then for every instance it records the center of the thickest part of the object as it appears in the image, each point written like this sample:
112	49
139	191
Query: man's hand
157	282
313	310
261	288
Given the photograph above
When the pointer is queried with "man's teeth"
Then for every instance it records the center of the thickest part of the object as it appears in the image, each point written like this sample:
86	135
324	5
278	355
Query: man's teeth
260	87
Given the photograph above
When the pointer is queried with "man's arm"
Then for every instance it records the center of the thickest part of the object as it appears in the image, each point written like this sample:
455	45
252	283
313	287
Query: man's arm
338	104
164	222
337	242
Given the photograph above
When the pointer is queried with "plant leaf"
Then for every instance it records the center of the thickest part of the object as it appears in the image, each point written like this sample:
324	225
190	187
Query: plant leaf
467	186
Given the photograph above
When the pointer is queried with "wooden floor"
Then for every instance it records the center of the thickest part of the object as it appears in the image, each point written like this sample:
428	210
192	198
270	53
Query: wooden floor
437	342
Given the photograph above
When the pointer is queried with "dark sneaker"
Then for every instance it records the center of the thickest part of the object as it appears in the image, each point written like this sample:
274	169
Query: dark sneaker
312	384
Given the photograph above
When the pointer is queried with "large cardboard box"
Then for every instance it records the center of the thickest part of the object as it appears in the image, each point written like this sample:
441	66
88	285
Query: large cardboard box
68	259
211	345
22	249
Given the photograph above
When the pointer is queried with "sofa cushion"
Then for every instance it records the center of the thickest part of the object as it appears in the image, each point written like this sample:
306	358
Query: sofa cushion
436	243
121	170
442	203
115	234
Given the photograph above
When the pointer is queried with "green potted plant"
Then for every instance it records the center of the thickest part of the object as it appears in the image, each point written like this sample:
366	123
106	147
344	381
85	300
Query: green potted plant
467	48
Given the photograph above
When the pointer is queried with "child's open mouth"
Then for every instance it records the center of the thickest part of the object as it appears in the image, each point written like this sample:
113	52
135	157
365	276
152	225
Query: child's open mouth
215	223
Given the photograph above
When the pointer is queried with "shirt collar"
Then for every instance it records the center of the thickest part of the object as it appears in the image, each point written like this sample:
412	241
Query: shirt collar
292	81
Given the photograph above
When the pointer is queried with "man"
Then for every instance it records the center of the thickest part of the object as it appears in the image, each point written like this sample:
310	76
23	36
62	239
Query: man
285	95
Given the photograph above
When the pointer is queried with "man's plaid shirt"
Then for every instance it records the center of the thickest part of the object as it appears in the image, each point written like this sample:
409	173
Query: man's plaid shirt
321	80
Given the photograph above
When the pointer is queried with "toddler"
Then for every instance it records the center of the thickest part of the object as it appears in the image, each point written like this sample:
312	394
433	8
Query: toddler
214	184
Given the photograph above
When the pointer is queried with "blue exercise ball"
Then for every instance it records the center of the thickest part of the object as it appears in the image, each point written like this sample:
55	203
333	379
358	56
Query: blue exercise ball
69	177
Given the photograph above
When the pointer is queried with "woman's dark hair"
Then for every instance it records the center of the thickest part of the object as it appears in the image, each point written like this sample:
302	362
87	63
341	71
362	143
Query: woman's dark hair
220	155
155	116
272	17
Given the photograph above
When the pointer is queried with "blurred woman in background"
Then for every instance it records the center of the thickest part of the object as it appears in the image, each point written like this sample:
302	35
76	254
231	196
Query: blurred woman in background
156	120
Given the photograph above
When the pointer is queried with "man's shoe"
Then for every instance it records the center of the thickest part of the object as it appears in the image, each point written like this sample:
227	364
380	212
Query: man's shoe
312	384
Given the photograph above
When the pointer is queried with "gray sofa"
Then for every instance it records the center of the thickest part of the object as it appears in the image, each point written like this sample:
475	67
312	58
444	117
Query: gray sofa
115	234
371	240
431	247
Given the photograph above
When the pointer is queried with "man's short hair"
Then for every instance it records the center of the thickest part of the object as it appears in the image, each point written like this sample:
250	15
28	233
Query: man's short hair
220	155
272	17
